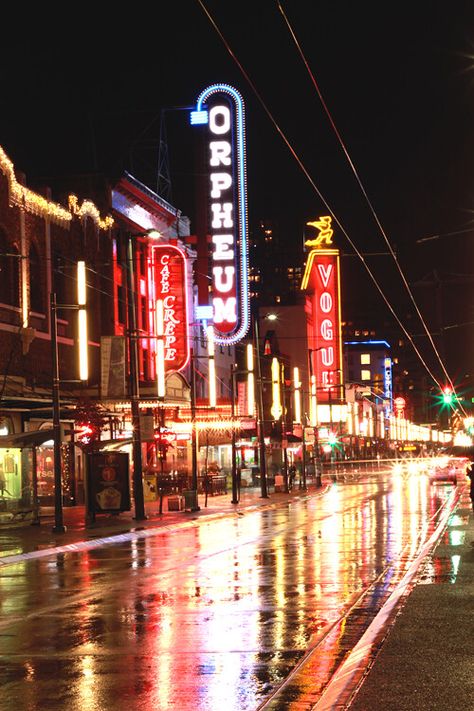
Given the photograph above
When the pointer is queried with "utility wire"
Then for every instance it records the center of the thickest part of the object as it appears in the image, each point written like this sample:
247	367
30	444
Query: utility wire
364	192
316	189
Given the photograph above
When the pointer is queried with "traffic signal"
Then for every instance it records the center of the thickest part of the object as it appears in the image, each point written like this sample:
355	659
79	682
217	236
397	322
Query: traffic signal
448	395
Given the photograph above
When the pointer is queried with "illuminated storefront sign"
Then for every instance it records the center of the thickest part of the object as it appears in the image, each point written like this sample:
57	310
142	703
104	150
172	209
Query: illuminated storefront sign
399	404
321	281
221	108
169	302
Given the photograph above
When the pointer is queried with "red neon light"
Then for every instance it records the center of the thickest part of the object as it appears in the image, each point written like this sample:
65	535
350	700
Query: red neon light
170	285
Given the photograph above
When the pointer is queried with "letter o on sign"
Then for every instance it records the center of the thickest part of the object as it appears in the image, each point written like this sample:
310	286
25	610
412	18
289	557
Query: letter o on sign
219	120
325	302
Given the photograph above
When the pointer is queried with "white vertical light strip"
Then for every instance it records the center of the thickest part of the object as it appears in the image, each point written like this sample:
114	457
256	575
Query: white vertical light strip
25	300
371	423
313	410
250	381
82	321
212	366
350	419
356	419
276	408
297	388
160	349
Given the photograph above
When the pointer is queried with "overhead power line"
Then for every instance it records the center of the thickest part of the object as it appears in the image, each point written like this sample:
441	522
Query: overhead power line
317	191
364	192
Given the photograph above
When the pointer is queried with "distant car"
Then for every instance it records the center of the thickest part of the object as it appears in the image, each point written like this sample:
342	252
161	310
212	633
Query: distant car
448	469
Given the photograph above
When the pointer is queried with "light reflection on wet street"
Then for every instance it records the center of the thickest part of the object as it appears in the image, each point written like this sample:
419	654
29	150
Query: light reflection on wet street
216	616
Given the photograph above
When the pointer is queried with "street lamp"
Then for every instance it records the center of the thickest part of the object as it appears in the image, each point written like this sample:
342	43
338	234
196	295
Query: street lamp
260	414
133	337
80	307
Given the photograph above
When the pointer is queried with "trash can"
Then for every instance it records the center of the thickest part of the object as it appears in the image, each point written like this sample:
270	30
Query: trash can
190	500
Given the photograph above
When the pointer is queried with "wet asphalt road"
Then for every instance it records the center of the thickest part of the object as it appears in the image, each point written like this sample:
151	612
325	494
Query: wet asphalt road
212	617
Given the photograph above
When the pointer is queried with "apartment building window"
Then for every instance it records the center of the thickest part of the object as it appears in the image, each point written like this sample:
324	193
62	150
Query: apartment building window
365	359
365	374
36	281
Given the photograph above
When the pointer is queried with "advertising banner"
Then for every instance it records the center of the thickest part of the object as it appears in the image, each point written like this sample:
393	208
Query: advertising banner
113	366
108	482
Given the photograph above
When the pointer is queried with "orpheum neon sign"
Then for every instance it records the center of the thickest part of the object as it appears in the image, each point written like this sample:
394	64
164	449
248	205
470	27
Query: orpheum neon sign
322	284
169	293
221	108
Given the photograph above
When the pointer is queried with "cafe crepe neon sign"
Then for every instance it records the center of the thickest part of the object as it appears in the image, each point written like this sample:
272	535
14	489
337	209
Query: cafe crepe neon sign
170	297
221	108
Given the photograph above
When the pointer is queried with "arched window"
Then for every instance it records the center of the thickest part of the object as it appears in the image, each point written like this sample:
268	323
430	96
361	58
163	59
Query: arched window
36	281
9	272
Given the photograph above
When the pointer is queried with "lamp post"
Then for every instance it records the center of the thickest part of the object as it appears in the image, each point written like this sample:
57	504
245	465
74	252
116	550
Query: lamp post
59	526
82	340
194	459
260	417
235	487
138	495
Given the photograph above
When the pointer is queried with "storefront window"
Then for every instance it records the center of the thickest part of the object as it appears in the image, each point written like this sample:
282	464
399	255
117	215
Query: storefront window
10	474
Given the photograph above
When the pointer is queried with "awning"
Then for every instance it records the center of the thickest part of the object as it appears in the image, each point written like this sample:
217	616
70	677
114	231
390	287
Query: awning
27	439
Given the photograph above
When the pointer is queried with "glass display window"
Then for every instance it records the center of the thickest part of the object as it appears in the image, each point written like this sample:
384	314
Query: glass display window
10	474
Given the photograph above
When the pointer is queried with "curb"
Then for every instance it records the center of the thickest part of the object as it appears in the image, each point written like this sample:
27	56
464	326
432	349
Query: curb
151	530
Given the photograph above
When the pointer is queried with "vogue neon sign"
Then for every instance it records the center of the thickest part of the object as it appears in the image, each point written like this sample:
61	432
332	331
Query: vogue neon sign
322	283
221	108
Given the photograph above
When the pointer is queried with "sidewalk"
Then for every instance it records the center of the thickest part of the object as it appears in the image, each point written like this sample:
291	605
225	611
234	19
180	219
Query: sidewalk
427	660
27	538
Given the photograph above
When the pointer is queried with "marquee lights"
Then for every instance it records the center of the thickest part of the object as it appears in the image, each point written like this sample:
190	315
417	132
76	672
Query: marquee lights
26	199
221	108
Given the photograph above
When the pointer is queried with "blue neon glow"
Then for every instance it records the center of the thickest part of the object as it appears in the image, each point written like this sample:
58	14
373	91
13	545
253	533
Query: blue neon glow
244	304
364	343
387	380
199	118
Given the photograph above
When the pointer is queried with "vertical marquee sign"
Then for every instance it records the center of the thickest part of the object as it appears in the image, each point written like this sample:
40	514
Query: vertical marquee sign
220	108
321	281
169	293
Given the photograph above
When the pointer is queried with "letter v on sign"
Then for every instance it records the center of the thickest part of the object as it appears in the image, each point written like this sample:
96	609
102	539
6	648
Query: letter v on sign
325	273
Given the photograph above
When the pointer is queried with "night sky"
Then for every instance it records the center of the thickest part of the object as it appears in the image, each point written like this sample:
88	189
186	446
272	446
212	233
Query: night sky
87	95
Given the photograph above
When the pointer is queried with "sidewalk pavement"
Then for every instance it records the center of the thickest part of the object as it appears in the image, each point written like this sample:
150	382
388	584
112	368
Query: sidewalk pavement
427	660
26	538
